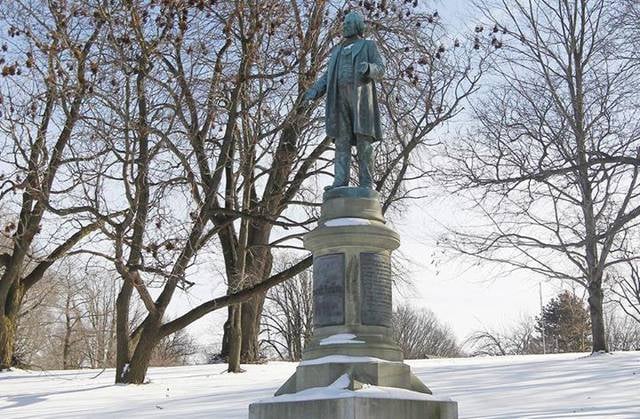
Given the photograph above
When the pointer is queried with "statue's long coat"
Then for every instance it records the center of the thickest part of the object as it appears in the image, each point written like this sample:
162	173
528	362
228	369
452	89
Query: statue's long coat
366	120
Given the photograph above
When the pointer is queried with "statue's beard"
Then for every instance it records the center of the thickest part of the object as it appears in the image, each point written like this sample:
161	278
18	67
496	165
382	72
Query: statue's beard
350	32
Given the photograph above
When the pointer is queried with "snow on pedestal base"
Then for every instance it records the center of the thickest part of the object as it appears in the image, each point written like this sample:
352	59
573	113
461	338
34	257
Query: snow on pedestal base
340	338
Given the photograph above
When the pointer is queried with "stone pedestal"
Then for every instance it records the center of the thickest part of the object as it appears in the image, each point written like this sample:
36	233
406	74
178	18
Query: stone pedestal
355	408
352	350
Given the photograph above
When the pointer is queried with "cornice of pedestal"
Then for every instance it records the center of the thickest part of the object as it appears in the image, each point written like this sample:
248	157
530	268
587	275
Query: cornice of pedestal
365	236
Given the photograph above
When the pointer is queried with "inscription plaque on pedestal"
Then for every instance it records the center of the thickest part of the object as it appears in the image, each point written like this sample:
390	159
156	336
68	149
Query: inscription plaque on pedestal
375	289
328	290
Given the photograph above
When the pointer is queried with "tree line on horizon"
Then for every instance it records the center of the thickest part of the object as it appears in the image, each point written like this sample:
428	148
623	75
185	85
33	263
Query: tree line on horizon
69	323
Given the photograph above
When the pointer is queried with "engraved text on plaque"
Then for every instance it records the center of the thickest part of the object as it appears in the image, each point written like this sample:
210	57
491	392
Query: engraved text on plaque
375	289
328	290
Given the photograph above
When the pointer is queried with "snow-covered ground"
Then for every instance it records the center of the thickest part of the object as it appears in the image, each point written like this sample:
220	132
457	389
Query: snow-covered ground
536	386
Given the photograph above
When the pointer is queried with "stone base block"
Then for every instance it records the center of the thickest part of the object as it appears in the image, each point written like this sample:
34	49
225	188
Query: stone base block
355	408
386	374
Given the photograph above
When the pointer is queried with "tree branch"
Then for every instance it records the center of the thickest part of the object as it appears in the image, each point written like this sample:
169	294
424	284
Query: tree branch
37	273
239	297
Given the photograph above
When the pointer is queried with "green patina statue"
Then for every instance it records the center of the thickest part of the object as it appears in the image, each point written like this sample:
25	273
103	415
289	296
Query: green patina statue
352	114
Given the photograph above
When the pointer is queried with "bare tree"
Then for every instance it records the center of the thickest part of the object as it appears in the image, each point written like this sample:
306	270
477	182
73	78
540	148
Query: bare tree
623	331
552	166
624	285
47	59
432	86
288	316
172	140
71	324
174	350
198	145
49	329
420	334
35	326
96	295
520	339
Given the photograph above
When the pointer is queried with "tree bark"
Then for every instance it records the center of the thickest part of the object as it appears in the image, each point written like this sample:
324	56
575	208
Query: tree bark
251	314
66	345
139	364
7	320
235	338
596	297
9	324
259	263
7	341
226	334
123	352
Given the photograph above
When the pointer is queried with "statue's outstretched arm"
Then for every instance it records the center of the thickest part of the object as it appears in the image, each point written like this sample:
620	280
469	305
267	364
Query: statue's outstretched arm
318	89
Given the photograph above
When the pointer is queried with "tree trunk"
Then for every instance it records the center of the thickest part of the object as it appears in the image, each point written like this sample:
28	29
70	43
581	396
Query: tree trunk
235	339
137	370
596	298
7	341
258	268
107	353
66	345
260	262
123	351
9	324
250	331
226	335
251	315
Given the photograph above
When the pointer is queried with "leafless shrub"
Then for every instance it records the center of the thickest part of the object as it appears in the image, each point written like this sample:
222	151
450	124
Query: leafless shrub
624	287
623	331
521	339
288	317
420	334
174	350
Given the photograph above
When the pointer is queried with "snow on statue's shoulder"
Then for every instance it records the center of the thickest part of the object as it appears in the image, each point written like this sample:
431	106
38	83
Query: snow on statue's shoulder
340	338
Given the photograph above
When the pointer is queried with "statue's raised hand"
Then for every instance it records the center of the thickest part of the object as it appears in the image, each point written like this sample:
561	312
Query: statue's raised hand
363	71
309	96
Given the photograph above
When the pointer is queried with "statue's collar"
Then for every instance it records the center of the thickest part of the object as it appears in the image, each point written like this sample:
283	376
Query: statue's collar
355	44
348	41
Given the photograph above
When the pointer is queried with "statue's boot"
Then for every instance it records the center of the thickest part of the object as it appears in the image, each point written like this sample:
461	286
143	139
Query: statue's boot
365	161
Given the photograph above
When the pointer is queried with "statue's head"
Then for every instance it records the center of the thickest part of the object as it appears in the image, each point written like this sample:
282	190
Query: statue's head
353	24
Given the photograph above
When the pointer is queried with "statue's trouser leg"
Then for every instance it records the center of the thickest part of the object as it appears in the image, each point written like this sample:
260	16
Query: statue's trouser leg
365	161
342	162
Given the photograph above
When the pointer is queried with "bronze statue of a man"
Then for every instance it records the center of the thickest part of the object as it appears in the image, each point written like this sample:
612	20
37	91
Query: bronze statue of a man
352	116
